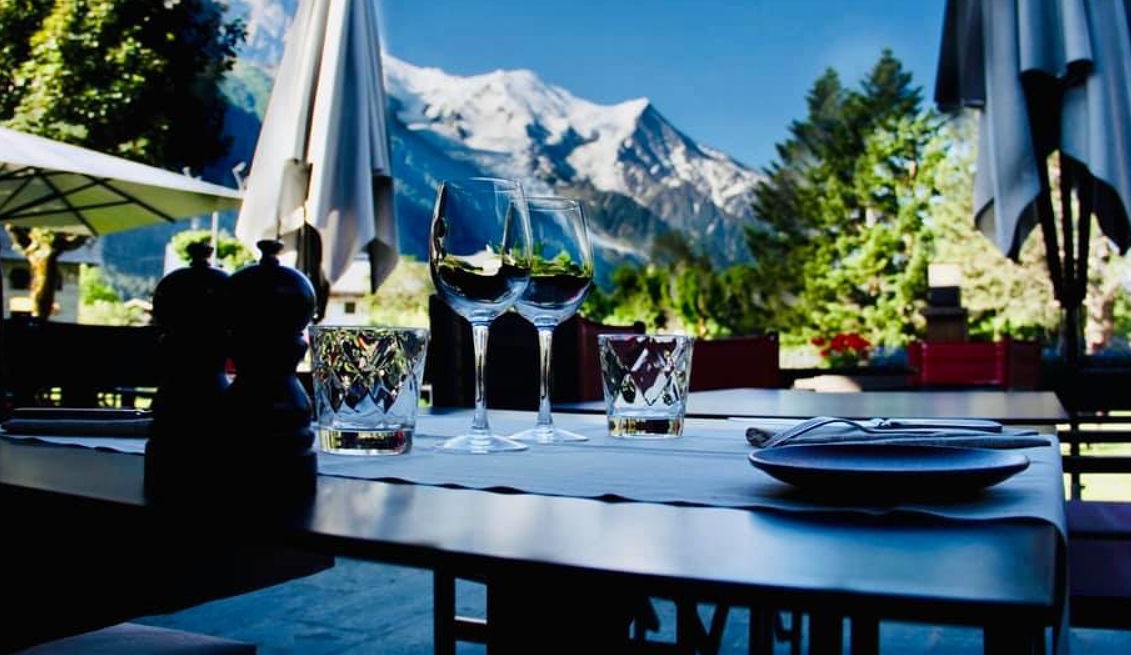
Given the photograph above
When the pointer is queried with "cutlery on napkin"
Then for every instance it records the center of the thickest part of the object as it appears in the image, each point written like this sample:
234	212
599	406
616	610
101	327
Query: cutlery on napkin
67	421
931	432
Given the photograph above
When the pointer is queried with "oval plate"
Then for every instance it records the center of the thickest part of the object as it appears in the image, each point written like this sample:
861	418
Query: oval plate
883	468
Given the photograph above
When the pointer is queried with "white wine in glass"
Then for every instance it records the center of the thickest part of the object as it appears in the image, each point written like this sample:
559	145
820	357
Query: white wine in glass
479	255
561	274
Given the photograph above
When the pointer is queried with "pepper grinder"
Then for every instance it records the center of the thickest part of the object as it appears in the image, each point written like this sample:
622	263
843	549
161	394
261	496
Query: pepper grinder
269	412
190	310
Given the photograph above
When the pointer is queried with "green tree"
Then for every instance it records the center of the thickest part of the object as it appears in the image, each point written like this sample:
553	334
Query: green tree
101	303
93	286
231	254
843	243
135	78
679	291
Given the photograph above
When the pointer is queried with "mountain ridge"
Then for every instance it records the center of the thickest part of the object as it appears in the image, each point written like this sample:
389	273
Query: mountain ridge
512	124
638	174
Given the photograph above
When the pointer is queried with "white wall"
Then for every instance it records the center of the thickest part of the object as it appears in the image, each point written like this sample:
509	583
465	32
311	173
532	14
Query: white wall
337	314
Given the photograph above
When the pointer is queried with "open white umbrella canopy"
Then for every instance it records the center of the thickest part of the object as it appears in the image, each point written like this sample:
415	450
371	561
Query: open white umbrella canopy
322	158
66	188
1047	76
49	184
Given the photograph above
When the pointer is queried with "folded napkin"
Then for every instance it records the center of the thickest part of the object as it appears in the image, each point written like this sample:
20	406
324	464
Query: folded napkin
79	422
962	433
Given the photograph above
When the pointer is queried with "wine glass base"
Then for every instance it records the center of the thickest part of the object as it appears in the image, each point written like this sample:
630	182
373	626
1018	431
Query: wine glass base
548	434
477	444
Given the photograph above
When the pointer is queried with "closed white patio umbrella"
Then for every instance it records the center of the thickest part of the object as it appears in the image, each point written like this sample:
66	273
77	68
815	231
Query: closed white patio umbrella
320	178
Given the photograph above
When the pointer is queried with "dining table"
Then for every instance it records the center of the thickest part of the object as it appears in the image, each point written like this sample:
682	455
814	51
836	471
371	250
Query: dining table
1006	406
567	535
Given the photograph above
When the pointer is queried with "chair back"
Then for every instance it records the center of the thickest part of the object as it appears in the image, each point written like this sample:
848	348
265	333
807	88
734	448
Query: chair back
512	360
511	376
74	365
735	362
1008	363
585	331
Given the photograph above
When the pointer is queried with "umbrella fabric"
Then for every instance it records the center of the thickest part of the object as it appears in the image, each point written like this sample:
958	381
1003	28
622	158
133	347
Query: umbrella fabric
322	156
1046	75
49	184
46	183
1096	118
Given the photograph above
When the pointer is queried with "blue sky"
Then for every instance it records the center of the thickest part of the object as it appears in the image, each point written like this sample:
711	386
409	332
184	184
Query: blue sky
730	73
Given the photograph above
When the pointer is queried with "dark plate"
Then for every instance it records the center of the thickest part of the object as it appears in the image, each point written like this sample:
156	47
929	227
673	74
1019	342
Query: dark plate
900	469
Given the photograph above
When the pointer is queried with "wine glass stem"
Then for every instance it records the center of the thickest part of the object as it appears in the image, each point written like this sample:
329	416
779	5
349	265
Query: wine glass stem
545	348
479	338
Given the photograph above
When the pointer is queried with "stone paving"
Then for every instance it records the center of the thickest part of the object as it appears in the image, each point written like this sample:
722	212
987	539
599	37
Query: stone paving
362	608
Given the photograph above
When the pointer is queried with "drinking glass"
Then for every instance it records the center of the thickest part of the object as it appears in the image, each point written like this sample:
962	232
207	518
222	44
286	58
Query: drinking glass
560	278
479	256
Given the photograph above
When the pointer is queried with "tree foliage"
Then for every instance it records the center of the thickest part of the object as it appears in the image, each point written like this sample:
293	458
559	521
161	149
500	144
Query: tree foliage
93	286
868	189
134	78
231	253
843	241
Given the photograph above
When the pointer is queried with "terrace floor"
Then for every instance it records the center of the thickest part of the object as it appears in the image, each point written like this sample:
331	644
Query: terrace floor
361	608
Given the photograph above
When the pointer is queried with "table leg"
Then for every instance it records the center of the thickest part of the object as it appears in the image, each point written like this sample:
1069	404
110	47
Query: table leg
443	613
826	633
533	611
761	636
691	637
1000	639
793	633
865	635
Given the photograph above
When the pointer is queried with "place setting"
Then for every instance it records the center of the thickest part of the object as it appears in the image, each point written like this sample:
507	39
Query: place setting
910	457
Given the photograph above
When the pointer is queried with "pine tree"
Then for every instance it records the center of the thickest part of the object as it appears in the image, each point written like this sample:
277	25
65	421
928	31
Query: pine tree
843	242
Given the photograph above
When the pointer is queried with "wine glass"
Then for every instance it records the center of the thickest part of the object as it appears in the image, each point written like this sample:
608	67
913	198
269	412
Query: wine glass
479	257
560	278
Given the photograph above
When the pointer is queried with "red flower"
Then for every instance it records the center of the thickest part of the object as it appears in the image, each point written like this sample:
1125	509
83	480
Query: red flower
845	348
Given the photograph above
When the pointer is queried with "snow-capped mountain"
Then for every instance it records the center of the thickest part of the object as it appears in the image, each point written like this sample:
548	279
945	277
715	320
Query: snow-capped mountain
638	172
638	175
267	22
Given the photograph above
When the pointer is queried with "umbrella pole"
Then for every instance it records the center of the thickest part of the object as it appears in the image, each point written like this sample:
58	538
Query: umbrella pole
1052	257
1074	278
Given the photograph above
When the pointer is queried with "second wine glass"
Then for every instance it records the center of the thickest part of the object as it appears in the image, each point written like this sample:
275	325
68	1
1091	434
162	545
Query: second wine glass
560	278
479	257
